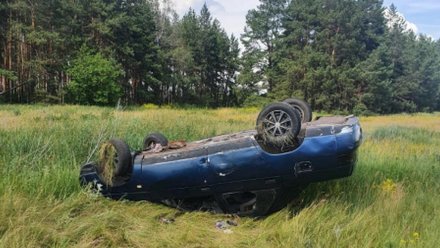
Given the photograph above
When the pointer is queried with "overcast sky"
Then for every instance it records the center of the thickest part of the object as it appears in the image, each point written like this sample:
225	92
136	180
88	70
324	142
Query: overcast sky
424	15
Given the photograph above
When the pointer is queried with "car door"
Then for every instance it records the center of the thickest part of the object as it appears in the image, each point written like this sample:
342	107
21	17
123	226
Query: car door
236	167
176	171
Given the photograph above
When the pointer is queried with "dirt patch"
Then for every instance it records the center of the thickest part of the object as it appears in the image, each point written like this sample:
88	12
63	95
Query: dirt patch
177	144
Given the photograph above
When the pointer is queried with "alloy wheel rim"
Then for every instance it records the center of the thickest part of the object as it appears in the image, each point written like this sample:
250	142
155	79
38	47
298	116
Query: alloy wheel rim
277	123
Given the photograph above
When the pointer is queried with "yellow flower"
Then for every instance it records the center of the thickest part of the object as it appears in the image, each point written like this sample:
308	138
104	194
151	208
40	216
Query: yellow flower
402	242
388	186
416	235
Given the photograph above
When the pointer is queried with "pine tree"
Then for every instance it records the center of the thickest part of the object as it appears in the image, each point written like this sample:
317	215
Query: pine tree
426	72
322	44
400	44
205	60
263	28
375	75
5	75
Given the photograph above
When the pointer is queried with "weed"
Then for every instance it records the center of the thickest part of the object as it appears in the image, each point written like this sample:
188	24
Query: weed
17	112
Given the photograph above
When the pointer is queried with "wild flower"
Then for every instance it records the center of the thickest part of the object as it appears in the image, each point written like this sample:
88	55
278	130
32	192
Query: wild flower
388	186
412	240
402	242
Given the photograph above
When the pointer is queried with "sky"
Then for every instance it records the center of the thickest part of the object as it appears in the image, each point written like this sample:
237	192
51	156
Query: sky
230	13
423	16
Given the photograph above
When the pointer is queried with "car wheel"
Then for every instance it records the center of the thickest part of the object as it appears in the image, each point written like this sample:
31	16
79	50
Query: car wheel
303	108
114	160
278	125
154	138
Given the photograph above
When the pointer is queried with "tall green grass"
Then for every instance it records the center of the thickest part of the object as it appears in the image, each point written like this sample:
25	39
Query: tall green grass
392	199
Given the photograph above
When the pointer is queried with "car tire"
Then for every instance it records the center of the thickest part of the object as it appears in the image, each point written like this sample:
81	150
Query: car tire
303	108
154	138
278	125
119	152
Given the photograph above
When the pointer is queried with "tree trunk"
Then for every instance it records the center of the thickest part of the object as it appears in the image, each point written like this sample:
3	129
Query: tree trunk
9	58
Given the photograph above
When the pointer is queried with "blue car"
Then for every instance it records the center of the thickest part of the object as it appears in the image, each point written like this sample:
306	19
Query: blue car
251	173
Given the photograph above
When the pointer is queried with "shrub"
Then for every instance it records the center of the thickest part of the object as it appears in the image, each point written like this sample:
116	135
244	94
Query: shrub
94	80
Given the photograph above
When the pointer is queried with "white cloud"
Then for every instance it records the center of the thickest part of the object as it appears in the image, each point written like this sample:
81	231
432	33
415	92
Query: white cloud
215	7
230	13
181	6
422	12
409	26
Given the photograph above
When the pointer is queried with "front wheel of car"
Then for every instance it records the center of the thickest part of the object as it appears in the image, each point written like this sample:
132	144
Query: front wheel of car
114	161
278	125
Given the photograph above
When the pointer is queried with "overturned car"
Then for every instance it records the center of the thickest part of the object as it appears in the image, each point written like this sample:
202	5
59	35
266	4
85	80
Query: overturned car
247	173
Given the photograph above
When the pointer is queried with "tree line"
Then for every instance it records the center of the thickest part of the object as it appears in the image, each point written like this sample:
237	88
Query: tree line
344	55
341	55
102	51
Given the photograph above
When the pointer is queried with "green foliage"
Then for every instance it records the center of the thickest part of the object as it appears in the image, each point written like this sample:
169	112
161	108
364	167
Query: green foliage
261	41
322	44
375	77
339	57
94	80
165	59
8	74
257	101
204	60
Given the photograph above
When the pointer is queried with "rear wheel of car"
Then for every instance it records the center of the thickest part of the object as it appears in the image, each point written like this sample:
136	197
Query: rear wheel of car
114	160
153	139
278	125
303	108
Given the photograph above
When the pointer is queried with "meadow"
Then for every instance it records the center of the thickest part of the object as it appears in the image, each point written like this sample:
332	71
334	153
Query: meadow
392	199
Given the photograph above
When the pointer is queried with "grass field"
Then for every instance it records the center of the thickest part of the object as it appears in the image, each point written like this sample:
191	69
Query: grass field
392	199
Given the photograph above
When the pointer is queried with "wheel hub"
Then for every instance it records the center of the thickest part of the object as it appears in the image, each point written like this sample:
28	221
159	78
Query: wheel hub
277	123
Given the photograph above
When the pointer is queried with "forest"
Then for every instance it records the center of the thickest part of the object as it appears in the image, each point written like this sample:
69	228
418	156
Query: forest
339	55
